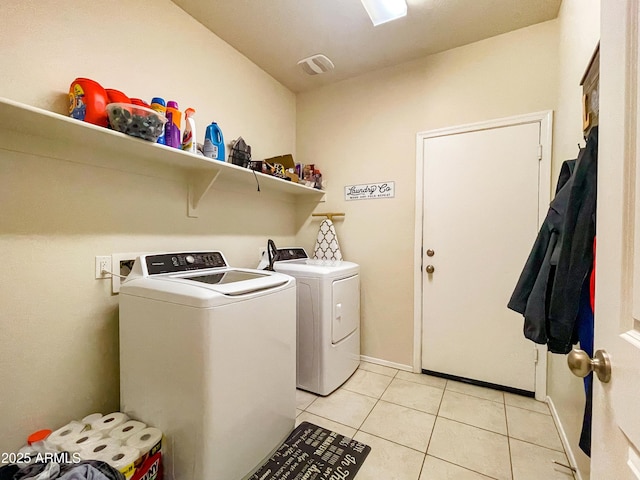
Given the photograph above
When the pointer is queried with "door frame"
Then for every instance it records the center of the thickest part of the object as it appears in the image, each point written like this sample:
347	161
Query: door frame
545	118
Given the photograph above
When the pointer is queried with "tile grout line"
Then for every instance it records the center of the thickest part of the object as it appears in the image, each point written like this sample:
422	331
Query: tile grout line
374	405
475	426
378	373
391	441
506	421
528	410
465	468
476	396
334	421
444	389
395	443
311	403
379	399
532	442
479	398
480	428
538	445
436	415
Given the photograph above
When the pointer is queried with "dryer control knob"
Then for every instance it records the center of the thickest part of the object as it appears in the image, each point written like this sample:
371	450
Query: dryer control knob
190	259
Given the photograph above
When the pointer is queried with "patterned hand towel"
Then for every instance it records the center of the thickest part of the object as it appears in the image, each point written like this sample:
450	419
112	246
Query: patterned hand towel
327	246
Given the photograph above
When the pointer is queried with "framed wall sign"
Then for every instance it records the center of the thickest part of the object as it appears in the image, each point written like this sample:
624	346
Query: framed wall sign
367	191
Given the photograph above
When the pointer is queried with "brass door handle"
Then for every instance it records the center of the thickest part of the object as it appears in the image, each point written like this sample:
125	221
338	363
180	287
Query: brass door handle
581	365
430	269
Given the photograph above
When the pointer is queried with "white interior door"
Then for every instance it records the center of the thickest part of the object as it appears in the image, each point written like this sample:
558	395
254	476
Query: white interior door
616	414
481	216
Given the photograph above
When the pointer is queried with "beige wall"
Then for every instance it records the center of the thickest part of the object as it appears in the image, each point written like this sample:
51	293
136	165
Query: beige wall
59	355
364	130
579	22
60	325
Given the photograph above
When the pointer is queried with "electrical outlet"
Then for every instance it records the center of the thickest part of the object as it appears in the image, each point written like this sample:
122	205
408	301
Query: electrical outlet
103	264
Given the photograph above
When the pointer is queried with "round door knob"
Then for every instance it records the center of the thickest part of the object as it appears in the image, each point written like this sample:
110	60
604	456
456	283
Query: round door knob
581	365
430	269
430	253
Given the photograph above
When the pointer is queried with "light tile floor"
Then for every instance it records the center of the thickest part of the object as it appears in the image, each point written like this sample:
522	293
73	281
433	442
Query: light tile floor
421	427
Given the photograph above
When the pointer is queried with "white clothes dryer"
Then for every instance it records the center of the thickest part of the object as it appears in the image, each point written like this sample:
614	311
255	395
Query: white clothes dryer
328	318
207	355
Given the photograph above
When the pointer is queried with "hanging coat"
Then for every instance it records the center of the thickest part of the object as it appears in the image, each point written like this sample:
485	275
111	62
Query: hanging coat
530	295
576	249
548	290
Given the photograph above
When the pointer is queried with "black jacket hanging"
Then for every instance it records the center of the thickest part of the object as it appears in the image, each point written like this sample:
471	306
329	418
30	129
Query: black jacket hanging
576	249
548	290
530	297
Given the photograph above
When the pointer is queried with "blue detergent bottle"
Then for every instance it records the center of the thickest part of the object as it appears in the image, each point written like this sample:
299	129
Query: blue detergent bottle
214	142
158	104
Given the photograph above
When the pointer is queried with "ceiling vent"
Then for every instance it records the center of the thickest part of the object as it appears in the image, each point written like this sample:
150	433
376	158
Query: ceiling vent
316	64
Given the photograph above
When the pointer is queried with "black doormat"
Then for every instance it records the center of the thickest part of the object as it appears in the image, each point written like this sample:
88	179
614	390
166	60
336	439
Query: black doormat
312	452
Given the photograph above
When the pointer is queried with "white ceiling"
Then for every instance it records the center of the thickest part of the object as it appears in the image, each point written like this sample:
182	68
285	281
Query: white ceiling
276	34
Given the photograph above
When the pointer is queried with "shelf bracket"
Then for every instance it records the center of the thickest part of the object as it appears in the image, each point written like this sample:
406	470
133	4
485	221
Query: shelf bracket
199	185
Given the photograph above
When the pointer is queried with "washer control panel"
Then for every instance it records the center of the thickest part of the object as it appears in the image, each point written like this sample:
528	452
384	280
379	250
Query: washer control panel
291	253
183	262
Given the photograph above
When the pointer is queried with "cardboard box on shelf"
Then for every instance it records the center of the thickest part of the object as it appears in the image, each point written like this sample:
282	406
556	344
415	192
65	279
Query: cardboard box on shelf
287	162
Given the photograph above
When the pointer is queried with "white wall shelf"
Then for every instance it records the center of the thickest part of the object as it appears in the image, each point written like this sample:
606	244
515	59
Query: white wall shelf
32	130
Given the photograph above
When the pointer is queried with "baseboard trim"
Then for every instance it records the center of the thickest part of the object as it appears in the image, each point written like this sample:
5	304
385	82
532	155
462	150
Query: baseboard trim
565	440
386	363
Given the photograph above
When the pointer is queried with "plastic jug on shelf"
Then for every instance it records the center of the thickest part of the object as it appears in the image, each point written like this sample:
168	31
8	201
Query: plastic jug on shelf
214	142
88	101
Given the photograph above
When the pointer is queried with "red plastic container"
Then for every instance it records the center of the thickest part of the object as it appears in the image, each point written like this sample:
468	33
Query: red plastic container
116	96
140	102
88	101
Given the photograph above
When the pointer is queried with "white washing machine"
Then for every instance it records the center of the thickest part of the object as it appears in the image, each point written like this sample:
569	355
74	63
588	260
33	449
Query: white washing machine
328	318
207	354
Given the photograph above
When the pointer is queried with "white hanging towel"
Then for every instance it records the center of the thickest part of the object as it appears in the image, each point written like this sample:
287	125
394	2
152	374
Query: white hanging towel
327	246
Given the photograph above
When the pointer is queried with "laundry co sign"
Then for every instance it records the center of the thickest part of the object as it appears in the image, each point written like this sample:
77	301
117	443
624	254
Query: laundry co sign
370	190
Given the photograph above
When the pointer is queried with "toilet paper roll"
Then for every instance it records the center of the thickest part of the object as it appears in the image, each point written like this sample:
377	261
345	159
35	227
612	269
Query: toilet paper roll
145	440
89	419
26	454
123	457
100	450
109	422
70	431
127	429
27	450
82	440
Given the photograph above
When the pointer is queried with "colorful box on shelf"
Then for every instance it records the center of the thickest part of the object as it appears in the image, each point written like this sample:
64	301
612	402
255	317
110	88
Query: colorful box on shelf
287	162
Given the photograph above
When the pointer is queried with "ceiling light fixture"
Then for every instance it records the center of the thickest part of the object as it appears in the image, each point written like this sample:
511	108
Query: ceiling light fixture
383	11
